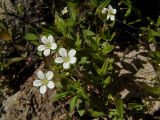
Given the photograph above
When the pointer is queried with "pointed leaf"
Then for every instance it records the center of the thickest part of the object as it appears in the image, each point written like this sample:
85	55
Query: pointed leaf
96	113
120	109
73	103
30	36
60	96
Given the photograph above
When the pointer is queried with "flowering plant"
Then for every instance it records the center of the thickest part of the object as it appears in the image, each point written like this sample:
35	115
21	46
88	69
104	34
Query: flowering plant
84	55
83	46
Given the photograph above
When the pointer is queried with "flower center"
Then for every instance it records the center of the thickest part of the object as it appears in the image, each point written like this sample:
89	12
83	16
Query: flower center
66	59
44	82
48	45
111	12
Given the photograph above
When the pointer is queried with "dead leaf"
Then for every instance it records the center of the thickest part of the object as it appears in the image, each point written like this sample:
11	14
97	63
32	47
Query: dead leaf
4	35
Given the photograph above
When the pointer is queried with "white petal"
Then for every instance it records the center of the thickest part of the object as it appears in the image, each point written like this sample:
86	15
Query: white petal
49	75
44	39
66	65
62	52
51	84
51	39
59	60
112	17
43	89
114	11
37	83
73	60
104	10
72	53
40	75
108	16
54	46
110	7
46	52
41	47
64	11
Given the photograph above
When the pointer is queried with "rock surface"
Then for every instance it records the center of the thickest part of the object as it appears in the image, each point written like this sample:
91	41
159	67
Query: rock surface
29	104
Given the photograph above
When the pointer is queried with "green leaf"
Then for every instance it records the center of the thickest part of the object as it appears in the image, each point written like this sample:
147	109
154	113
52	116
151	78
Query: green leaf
153	91
107	48
73	11
83	60
64	26
79	91
107	81
128	12
120	109
112	36
88	33
96	113
73	103
82	94
78	42
69	23
81	112
60	24
153	33
16	59
81	107
152	40
93	2
106	66
129	4
136	106
92	43
60	96
158	21
134	22
30	36
13	60
49	30
96	67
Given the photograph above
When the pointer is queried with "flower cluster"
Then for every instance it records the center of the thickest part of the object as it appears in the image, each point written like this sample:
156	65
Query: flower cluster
110	12
66	58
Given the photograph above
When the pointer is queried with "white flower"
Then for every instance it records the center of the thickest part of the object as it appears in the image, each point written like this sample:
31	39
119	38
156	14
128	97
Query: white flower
48	45
111	13
104	11
64	11
66	58
44	81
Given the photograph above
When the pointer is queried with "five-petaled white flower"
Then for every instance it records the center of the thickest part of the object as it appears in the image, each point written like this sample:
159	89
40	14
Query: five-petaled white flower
64	11
48	45
110	12
44	81
66	58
